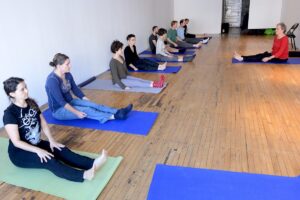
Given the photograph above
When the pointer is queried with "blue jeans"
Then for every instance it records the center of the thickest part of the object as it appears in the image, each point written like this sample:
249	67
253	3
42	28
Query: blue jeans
92	110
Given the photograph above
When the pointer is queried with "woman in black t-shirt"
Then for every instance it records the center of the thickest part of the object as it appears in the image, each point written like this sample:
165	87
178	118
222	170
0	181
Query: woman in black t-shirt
24	122
134	62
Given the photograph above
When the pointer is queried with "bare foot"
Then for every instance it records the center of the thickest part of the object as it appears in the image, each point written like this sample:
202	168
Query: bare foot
238	56
98	163
89	174
162	66
180	58
198	45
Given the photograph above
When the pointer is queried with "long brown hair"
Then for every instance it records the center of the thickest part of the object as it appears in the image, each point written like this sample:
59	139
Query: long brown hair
11	84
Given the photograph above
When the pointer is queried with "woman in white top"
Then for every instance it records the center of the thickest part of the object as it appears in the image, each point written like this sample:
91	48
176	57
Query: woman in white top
163	55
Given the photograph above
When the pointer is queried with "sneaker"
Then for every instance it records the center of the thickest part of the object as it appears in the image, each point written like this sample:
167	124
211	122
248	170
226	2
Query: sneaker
162	78
157	84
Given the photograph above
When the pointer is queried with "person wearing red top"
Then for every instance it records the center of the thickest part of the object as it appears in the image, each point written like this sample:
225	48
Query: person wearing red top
280	49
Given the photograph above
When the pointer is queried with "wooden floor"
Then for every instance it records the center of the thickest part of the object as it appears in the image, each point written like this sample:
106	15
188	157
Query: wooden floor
213	114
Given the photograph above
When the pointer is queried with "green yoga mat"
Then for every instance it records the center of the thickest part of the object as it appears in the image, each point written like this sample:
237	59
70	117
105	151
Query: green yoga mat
44	181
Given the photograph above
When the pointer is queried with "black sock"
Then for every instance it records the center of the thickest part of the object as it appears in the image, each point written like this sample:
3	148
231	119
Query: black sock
120	114
128	109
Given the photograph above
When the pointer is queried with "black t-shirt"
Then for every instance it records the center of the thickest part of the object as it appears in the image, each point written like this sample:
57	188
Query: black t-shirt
185	30
152	46
130	56
28	121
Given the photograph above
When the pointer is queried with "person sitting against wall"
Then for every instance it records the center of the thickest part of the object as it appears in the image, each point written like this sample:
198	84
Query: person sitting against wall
60	84
134	62
280	49
120	74
153	41
24	125
162	53
181	35
189	35
175	41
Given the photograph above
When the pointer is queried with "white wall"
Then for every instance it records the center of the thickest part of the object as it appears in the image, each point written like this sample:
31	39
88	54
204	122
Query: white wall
291	15
32	31
205	15
163	12
264	13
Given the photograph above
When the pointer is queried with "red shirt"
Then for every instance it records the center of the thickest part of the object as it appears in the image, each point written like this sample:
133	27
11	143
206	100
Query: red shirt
280	48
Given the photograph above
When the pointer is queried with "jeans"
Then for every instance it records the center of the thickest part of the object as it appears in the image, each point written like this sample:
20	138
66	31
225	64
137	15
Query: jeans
131	81
145	64
63	163
92	110
259	57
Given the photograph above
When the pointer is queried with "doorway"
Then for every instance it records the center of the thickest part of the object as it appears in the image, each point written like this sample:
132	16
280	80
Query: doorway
235	16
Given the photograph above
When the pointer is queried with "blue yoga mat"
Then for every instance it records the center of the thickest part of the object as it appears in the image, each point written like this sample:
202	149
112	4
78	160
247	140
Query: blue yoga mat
147	52
158	60
291	61
138	123
168	70
177	183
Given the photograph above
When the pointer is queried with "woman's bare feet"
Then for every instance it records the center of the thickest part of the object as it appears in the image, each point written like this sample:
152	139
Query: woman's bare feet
89	174
180	58
238	56
98	162
197	45
162	66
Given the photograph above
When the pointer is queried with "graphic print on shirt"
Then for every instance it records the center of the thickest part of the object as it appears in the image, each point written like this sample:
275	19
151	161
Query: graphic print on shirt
31	126
66	87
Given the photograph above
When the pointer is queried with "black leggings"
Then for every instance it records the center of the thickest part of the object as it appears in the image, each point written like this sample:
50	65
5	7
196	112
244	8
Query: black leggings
145	64
188	35
61	164
259	57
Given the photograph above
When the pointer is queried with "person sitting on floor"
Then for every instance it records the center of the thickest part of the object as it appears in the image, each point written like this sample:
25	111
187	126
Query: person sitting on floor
280	49
24	123
186	34
63	106
153	41
134	62
175	41
120	74
163	54
181	35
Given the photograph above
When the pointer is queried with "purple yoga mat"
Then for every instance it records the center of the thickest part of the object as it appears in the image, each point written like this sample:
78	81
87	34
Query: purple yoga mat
168	70
190	52
291	61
